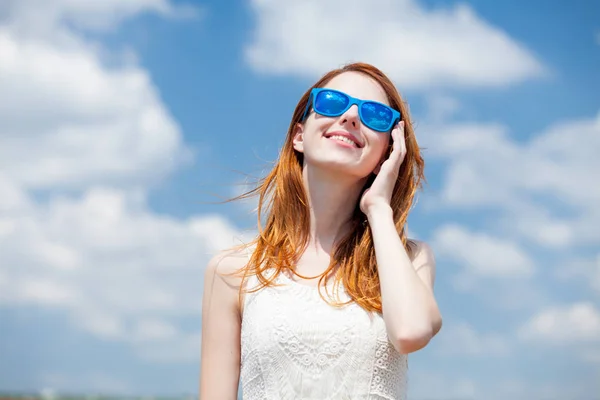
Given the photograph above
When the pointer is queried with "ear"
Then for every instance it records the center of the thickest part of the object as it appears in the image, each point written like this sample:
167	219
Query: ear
299	138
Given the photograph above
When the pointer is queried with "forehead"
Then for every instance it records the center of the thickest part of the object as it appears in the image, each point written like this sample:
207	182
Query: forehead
358	85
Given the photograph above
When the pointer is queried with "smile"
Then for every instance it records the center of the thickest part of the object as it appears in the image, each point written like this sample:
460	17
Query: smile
344	138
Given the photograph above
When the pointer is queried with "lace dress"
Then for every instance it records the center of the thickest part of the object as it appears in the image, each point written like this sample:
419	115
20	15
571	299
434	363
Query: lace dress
296	346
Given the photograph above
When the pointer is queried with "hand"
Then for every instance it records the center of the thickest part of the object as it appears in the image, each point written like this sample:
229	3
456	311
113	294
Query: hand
380	192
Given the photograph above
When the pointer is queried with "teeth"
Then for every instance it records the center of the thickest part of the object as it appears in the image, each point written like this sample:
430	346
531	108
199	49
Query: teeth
342	138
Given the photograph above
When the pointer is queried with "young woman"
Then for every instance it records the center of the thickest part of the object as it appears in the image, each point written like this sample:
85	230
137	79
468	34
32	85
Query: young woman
330	298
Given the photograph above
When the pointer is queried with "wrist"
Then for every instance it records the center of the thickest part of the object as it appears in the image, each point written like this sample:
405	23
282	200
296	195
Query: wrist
380	210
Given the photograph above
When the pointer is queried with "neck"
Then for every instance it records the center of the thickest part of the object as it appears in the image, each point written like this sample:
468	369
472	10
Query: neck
332	199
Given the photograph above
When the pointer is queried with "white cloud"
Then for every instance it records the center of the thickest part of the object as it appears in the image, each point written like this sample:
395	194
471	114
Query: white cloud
115	241
461	339
535	184
43	291
97	16
121	271
12	198
183	347
92	124
102	324
547	164
416	47
586	270
441	107
509	294
481	254
76	115
579	322
494	269
153	329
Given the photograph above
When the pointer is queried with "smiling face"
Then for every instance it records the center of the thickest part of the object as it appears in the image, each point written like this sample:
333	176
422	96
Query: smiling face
344	144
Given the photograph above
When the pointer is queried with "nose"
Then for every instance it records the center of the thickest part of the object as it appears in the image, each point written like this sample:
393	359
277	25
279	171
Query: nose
351	117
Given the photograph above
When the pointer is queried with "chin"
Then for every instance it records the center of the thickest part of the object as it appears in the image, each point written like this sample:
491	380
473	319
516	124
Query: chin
343	166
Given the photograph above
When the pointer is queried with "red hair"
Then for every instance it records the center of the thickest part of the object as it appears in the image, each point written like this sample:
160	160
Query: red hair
284	203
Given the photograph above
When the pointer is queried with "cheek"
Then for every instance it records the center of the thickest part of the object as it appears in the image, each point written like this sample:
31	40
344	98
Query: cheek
381	146
315	127
319	123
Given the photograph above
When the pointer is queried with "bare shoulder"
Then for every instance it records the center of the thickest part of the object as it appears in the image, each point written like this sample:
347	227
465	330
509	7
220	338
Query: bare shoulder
422	252
423	261
222	281
227	266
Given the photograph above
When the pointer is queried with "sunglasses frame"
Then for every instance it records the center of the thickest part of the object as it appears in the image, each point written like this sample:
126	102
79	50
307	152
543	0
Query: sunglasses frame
396	116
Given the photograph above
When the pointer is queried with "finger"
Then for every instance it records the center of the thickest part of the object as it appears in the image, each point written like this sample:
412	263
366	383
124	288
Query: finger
401	139
397	145
393	159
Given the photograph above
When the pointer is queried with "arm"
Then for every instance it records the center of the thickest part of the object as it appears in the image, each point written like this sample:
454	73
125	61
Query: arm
221	326
410	310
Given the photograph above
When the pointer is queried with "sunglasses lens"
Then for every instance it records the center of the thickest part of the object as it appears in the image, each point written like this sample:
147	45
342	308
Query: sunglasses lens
331	103
377	116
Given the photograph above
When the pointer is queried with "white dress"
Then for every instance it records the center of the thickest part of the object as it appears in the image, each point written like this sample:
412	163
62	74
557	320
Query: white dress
296	346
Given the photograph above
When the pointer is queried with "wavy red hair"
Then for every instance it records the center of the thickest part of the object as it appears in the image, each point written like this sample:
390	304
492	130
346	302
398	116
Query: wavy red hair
283	203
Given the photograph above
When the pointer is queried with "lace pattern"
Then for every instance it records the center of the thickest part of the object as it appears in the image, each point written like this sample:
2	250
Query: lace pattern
389	370
296	346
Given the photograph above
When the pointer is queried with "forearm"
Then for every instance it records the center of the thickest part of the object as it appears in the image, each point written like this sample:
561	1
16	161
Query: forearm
409	308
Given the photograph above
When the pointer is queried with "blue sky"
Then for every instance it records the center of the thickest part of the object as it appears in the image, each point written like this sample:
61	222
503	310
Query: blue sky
121	120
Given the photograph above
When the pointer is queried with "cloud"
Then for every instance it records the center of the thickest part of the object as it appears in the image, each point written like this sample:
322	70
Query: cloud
92	125
417	47
545	188
586	270
567	324
86	125
93	16
530	196
482	254
120	271
461	339
441	107
490	267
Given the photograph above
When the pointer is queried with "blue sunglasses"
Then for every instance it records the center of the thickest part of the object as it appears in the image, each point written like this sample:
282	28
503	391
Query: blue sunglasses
333	103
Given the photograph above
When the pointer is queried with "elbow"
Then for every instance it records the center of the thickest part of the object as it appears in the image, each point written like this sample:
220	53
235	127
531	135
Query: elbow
436	324
411	341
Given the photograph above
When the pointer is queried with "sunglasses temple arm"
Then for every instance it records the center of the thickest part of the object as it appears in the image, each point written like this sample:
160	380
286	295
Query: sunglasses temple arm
307	107
396	122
